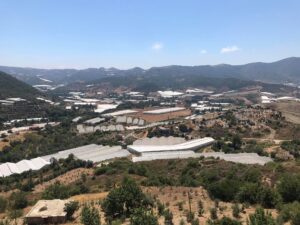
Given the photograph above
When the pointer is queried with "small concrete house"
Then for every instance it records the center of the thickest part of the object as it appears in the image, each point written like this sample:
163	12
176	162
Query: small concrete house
47	212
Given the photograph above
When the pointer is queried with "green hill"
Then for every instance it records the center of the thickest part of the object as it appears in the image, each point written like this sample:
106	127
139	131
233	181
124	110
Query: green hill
12	87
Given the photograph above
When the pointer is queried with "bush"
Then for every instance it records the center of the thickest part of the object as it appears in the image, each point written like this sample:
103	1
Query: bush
70	208
213	213
18	200
289	212
141	216
289	188
195	222
261	218
90	216
3	204
224	190
122	201
268	197
224	221
56	191
168	217
236	211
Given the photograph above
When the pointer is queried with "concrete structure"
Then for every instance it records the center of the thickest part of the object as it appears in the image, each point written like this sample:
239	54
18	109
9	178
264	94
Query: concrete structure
197	91
243	158
185	146
169	94
160	141
94	153
75	120
119	113
104	107
94	121
83	129
164	110
47	212
7	169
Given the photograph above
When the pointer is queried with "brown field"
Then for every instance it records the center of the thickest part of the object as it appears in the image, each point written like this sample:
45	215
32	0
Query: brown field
13	137
160	117
171	196
290	110
67	178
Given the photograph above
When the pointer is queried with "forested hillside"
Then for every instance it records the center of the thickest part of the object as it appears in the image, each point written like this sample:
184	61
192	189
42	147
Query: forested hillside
12	87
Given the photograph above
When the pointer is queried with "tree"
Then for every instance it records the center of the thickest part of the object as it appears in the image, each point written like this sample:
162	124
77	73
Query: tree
168	217
296	219
14	214
4	222
3	204
70	208
200	208
160	208
183	128
142	216
224	221
261	218
268	197
122	201
236	211
224	189
236	142
56	191
213	214
90	216
181	222
195	222
18	200
289	188
290	212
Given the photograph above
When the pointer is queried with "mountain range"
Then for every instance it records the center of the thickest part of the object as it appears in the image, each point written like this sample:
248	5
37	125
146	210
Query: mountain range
286	70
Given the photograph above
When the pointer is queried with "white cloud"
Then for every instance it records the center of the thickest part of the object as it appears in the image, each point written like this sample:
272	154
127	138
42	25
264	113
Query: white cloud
229	49
203	51
157	46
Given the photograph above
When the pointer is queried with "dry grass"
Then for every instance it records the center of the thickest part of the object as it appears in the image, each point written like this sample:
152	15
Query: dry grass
160	117
171	196
13	137
290	110
67	178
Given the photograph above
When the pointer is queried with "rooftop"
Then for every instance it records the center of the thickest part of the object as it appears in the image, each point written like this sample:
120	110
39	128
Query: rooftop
120	112
164	110
188	145
95	120
48	208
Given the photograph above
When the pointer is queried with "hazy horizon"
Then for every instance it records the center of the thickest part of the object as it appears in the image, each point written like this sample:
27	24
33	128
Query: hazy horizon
145	68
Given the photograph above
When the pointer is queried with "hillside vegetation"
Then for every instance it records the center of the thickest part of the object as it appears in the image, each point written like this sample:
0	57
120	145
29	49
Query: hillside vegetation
12	87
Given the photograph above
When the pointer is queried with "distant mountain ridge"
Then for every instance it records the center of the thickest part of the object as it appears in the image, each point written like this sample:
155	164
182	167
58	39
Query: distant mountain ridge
286	70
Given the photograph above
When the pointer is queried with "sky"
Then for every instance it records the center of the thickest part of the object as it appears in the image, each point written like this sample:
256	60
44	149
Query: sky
146	33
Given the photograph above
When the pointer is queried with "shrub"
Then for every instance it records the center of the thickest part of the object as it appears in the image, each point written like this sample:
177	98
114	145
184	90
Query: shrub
213	214
122	201
261	218
3	204
90	216
56	191
289	188
141	216
168	217
18	200
70	208
236	211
